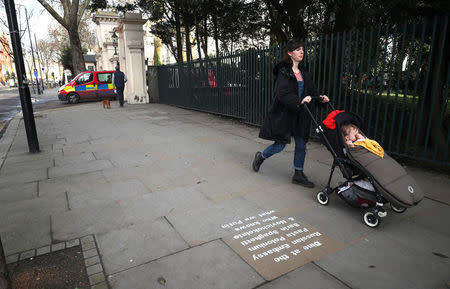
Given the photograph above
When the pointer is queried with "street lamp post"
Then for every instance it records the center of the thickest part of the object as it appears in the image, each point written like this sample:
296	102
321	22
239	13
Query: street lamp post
115	39
24	90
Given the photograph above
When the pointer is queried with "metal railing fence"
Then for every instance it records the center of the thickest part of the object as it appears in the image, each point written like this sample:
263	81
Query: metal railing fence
395	78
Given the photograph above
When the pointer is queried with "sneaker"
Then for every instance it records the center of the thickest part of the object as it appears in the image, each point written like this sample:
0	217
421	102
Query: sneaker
299	178
257	161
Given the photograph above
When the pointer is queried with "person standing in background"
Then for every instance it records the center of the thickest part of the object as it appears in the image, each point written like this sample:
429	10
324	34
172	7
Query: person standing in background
118	79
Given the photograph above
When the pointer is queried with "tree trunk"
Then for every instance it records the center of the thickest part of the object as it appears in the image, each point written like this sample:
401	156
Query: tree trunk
72	12
435	98
178	33
77	53
188	43
346	16
216	36
197	38
277	35
205	37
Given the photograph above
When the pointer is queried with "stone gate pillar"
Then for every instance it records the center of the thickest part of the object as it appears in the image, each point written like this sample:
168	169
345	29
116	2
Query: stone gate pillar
106	22
131	56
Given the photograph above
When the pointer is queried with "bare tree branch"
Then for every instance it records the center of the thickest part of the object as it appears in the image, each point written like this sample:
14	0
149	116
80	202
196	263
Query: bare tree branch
82	9
54	13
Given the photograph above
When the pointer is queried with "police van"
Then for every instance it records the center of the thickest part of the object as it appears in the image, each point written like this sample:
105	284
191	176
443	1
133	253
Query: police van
88	85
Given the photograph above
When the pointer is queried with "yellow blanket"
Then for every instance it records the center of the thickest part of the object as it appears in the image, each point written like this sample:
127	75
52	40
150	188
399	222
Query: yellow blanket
371	146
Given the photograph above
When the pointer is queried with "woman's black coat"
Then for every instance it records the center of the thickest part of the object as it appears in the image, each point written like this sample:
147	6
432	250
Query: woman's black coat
287	116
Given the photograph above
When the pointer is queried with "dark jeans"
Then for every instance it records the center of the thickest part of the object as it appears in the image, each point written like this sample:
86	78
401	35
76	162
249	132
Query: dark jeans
299	154
120	94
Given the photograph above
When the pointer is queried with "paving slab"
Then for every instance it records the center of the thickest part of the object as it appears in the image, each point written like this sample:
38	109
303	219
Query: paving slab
204	224
426	213
78	168
286	199
378	259
8	178
24	233
19	149
210	173
417	237
122	144
26	157
20	167
32	208
60	161
176	200
138	244
198	267
125	212
80	182
18	192
91	220
308	276
98	194
127	158
436	185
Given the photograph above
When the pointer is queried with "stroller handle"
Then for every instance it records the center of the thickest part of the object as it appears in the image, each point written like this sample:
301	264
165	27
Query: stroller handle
311	115
330	105
320	131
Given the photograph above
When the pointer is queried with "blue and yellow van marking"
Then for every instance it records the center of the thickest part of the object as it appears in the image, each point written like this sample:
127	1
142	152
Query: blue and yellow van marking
106	86
85	87
69	88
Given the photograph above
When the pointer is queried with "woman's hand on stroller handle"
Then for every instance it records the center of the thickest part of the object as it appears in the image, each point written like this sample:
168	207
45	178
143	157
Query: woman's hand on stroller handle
324	98
306	99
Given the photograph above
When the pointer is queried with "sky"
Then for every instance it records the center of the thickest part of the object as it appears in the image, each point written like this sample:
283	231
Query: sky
41	20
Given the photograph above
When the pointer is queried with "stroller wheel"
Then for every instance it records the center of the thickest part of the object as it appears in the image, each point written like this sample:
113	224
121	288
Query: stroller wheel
371	219
322	198
397	209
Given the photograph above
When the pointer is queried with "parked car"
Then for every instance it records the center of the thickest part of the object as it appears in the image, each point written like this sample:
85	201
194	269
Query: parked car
88	85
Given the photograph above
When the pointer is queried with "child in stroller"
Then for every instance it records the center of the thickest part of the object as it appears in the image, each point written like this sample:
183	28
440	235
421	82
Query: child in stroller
351	134
372	178
353	137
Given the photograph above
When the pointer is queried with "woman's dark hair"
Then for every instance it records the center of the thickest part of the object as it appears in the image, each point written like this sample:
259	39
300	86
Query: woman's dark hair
291	45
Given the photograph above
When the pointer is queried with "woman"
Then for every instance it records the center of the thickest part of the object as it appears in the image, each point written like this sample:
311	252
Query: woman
287	116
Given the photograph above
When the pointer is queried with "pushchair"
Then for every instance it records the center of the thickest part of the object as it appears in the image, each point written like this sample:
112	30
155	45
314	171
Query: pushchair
387	180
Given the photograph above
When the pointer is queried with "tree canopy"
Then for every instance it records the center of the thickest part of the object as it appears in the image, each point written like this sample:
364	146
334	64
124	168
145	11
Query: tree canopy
241	24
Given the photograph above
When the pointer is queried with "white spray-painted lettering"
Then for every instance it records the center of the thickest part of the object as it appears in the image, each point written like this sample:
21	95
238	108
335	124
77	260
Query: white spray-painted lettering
271	251
296	232
267	243
259	237
250	218
232	224
283	257
269	219
312	245
304	238
247	226
290	226
266	213
259	229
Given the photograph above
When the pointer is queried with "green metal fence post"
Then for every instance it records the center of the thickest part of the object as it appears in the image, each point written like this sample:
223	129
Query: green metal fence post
422	107
436	73
405	91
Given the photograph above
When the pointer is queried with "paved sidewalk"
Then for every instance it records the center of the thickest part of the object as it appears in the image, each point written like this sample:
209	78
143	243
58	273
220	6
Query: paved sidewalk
165	192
